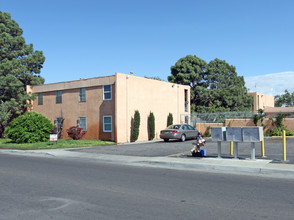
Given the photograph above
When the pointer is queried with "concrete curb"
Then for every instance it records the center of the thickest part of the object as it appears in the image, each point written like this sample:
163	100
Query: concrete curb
258	167
282	136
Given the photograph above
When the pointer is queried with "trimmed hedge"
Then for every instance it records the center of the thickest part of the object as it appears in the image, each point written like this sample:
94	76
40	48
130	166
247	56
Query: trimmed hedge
136	126
170	119
30	127
151	126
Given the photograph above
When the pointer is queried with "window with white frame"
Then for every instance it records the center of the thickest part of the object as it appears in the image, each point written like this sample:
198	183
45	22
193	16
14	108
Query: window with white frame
82	123
107	123
82	94
107	92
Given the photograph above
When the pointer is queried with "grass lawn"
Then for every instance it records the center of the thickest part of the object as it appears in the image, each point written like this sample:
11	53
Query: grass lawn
62	143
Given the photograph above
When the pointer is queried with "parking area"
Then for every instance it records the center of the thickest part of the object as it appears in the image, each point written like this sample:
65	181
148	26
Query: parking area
148	149
273	149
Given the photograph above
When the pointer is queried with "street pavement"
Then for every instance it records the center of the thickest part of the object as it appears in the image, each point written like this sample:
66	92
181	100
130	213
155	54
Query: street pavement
176	155
62	188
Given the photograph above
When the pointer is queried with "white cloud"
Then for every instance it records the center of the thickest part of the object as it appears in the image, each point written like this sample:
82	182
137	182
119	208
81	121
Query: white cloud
271	84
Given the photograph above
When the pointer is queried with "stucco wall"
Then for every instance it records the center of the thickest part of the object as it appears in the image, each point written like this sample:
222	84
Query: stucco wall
71	109
262	101
129	93
145	95
288	122
239	122
202	127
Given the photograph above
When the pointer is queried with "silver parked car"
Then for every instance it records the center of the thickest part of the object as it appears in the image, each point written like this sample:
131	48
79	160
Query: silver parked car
179	131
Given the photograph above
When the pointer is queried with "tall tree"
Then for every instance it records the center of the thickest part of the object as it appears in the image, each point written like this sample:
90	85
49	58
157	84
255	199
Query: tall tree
215	87
226	90
190	70
286	99
20	65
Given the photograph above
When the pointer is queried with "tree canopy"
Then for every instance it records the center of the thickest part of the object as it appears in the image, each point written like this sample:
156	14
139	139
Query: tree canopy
215	87
154	77
286	99
20	65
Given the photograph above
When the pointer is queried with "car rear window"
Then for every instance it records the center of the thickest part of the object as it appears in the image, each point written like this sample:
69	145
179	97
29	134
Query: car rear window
174	127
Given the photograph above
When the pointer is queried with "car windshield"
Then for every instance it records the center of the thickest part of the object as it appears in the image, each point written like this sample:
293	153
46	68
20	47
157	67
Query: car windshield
174	127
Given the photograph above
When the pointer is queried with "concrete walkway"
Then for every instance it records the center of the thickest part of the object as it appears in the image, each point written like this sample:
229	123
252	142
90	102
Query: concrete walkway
259	167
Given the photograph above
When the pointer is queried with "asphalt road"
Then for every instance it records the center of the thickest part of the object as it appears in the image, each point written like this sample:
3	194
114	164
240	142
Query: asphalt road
49	188
273	149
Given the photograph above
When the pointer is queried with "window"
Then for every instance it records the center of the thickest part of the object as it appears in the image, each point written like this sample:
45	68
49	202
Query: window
107	123
107	93
82	123
185	127
187	119
186	100
58	97
40	98
190	127
82	94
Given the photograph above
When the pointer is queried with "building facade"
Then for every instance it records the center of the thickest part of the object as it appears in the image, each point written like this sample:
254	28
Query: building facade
104	106
261	101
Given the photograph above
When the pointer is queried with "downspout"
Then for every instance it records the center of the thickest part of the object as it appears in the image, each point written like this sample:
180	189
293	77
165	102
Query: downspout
127	109
178	111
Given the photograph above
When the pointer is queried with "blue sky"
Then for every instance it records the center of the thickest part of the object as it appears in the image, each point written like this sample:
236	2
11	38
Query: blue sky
84	39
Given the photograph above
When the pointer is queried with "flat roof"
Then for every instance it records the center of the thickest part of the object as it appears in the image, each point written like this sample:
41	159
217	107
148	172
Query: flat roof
81	83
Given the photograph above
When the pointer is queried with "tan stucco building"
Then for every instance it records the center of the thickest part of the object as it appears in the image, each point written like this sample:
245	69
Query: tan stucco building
104	106
261	101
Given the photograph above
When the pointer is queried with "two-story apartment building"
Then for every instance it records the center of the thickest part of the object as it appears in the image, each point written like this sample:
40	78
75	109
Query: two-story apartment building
104	106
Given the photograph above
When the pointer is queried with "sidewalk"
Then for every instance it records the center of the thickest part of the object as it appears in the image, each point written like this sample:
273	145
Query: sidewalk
259	167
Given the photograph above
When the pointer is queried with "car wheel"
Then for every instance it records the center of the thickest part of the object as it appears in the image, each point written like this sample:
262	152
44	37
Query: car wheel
183	138
166	140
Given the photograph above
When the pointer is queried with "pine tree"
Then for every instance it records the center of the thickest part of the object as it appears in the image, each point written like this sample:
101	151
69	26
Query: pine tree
20	65
215	87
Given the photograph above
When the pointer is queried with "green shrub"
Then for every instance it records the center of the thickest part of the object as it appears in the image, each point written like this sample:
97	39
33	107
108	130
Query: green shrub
170	119
279	132
260	116
255	119
278	122
151	122
279	119
30	127
207	133
136	126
